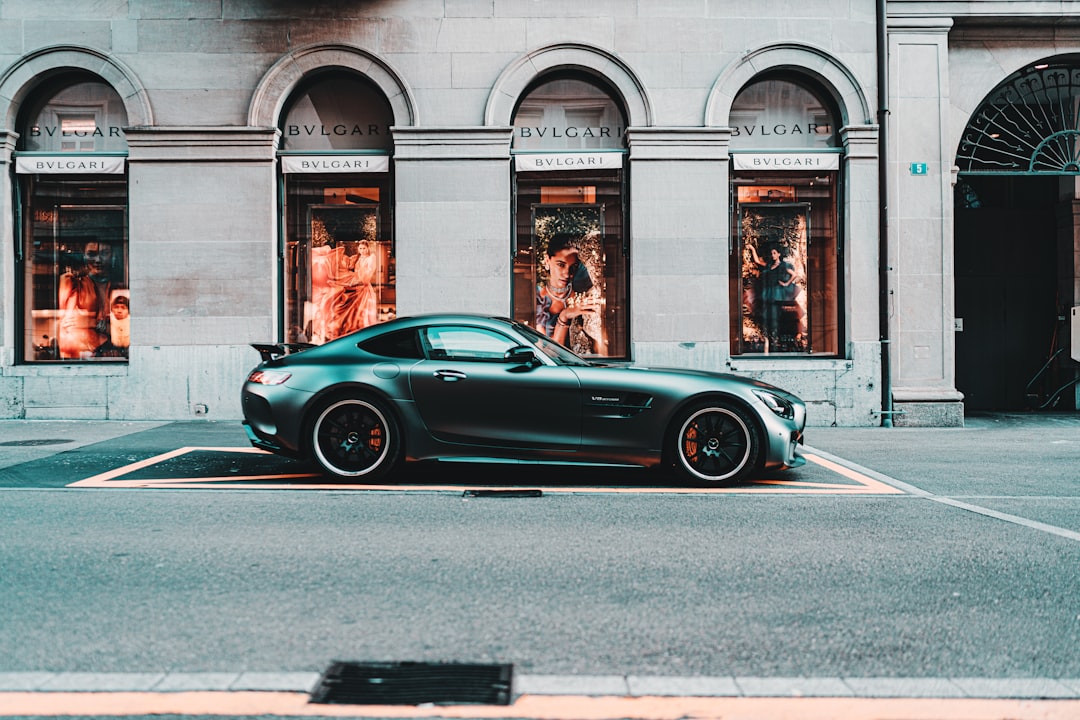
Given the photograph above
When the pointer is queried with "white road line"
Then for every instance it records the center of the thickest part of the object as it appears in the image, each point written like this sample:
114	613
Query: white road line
1014	519
952	502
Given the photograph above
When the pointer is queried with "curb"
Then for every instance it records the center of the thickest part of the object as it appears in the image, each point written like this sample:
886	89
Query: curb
630	686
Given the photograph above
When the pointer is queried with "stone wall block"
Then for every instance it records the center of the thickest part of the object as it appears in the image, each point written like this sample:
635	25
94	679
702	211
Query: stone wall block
75	396
598	31
12	394
182	383
503	34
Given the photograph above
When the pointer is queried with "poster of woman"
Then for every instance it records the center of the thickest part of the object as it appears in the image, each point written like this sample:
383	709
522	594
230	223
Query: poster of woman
568	246
87	292
346	267
774	238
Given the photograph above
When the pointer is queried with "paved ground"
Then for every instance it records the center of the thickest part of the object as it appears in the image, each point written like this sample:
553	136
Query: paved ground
939	464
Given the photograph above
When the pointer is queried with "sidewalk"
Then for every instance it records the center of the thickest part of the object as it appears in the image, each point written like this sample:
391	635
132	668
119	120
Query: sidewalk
578	685
25	440
557	697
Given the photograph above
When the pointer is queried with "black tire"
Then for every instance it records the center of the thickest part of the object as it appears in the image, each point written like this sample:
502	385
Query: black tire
715	443
355	438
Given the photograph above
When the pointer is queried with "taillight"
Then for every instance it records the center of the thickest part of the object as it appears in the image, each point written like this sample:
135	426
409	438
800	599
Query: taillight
268	377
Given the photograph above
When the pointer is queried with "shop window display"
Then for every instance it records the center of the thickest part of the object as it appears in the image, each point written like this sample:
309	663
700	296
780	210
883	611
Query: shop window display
570	266
339	260
785	266
75	277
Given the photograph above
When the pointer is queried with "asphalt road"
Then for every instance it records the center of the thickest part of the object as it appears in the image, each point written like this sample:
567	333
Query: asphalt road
964	562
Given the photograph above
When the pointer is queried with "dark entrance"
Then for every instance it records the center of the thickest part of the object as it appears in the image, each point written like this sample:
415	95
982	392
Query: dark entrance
1006	290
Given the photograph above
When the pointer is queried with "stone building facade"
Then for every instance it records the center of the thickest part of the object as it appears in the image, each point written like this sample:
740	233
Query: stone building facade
825	195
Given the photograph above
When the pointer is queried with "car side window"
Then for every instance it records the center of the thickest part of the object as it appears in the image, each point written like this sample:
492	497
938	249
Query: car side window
466	343
401	344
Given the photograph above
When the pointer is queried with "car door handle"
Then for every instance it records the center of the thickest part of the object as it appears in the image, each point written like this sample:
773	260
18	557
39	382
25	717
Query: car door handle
450	375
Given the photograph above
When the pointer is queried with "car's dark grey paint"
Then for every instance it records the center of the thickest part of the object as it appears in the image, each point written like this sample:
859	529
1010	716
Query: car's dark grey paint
461	386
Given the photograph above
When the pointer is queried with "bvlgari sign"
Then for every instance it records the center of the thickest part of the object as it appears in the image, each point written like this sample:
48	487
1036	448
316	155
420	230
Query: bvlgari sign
547	162
74	164
786	161
335	163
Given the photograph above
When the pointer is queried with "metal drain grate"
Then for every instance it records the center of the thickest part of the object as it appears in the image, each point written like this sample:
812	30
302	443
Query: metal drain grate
503	493
414	683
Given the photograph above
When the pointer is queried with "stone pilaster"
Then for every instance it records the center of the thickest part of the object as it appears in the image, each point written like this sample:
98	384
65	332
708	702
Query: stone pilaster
7	253
680	245
921	225
452	210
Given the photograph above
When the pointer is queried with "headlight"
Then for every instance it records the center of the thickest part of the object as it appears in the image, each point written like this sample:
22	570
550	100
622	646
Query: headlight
268	377
777	404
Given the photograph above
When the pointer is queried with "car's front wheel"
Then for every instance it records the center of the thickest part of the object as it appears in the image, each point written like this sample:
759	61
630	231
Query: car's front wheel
355	438
715	443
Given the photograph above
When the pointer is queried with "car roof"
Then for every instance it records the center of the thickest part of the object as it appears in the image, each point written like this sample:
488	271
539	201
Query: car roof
422	319
444	317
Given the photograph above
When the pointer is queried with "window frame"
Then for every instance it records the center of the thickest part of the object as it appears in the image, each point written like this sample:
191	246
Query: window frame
824	264
31	319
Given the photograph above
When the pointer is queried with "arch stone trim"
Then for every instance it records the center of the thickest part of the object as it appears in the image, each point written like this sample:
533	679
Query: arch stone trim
284	75
595	61
813	61
18	81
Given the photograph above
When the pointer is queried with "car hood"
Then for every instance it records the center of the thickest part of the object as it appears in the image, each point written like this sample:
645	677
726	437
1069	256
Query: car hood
700	374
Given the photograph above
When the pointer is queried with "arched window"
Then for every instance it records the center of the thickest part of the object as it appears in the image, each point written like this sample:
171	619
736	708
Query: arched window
571	261
339	253
785	265
73	258
1029	124
780	112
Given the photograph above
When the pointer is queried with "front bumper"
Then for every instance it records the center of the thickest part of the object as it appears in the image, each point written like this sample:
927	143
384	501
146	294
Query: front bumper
785	436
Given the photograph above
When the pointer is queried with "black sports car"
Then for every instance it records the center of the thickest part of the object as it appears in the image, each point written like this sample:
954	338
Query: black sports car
469	386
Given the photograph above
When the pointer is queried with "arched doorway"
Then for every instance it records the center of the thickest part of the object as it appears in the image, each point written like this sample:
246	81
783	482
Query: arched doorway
786	243
337	183
571	245
1015	213
72	191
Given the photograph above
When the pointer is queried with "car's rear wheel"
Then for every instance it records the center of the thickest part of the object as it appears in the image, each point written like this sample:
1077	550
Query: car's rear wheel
355	438
715	443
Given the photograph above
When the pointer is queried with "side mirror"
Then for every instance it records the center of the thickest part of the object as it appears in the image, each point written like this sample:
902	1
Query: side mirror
522	355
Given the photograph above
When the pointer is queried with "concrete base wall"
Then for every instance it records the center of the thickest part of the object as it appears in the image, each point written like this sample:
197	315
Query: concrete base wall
928	414
161	382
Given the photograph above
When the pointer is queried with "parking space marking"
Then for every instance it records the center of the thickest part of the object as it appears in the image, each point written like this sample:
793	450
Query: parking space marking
860	484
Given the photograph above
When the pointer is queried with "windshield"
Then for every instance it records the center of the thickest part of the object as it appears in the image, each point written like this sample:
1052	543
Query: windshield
549	347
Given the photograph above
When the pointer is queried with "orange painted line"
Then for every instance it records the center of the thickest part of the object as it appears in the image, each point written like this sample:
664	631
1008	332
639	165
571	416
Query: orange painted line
113	479
539	707
124	470
858	477
107	479
210	481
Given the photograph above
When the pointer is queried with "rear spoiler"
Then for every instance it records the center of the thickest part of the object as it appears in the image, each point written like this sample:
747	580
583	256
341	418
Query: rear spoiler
273	351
